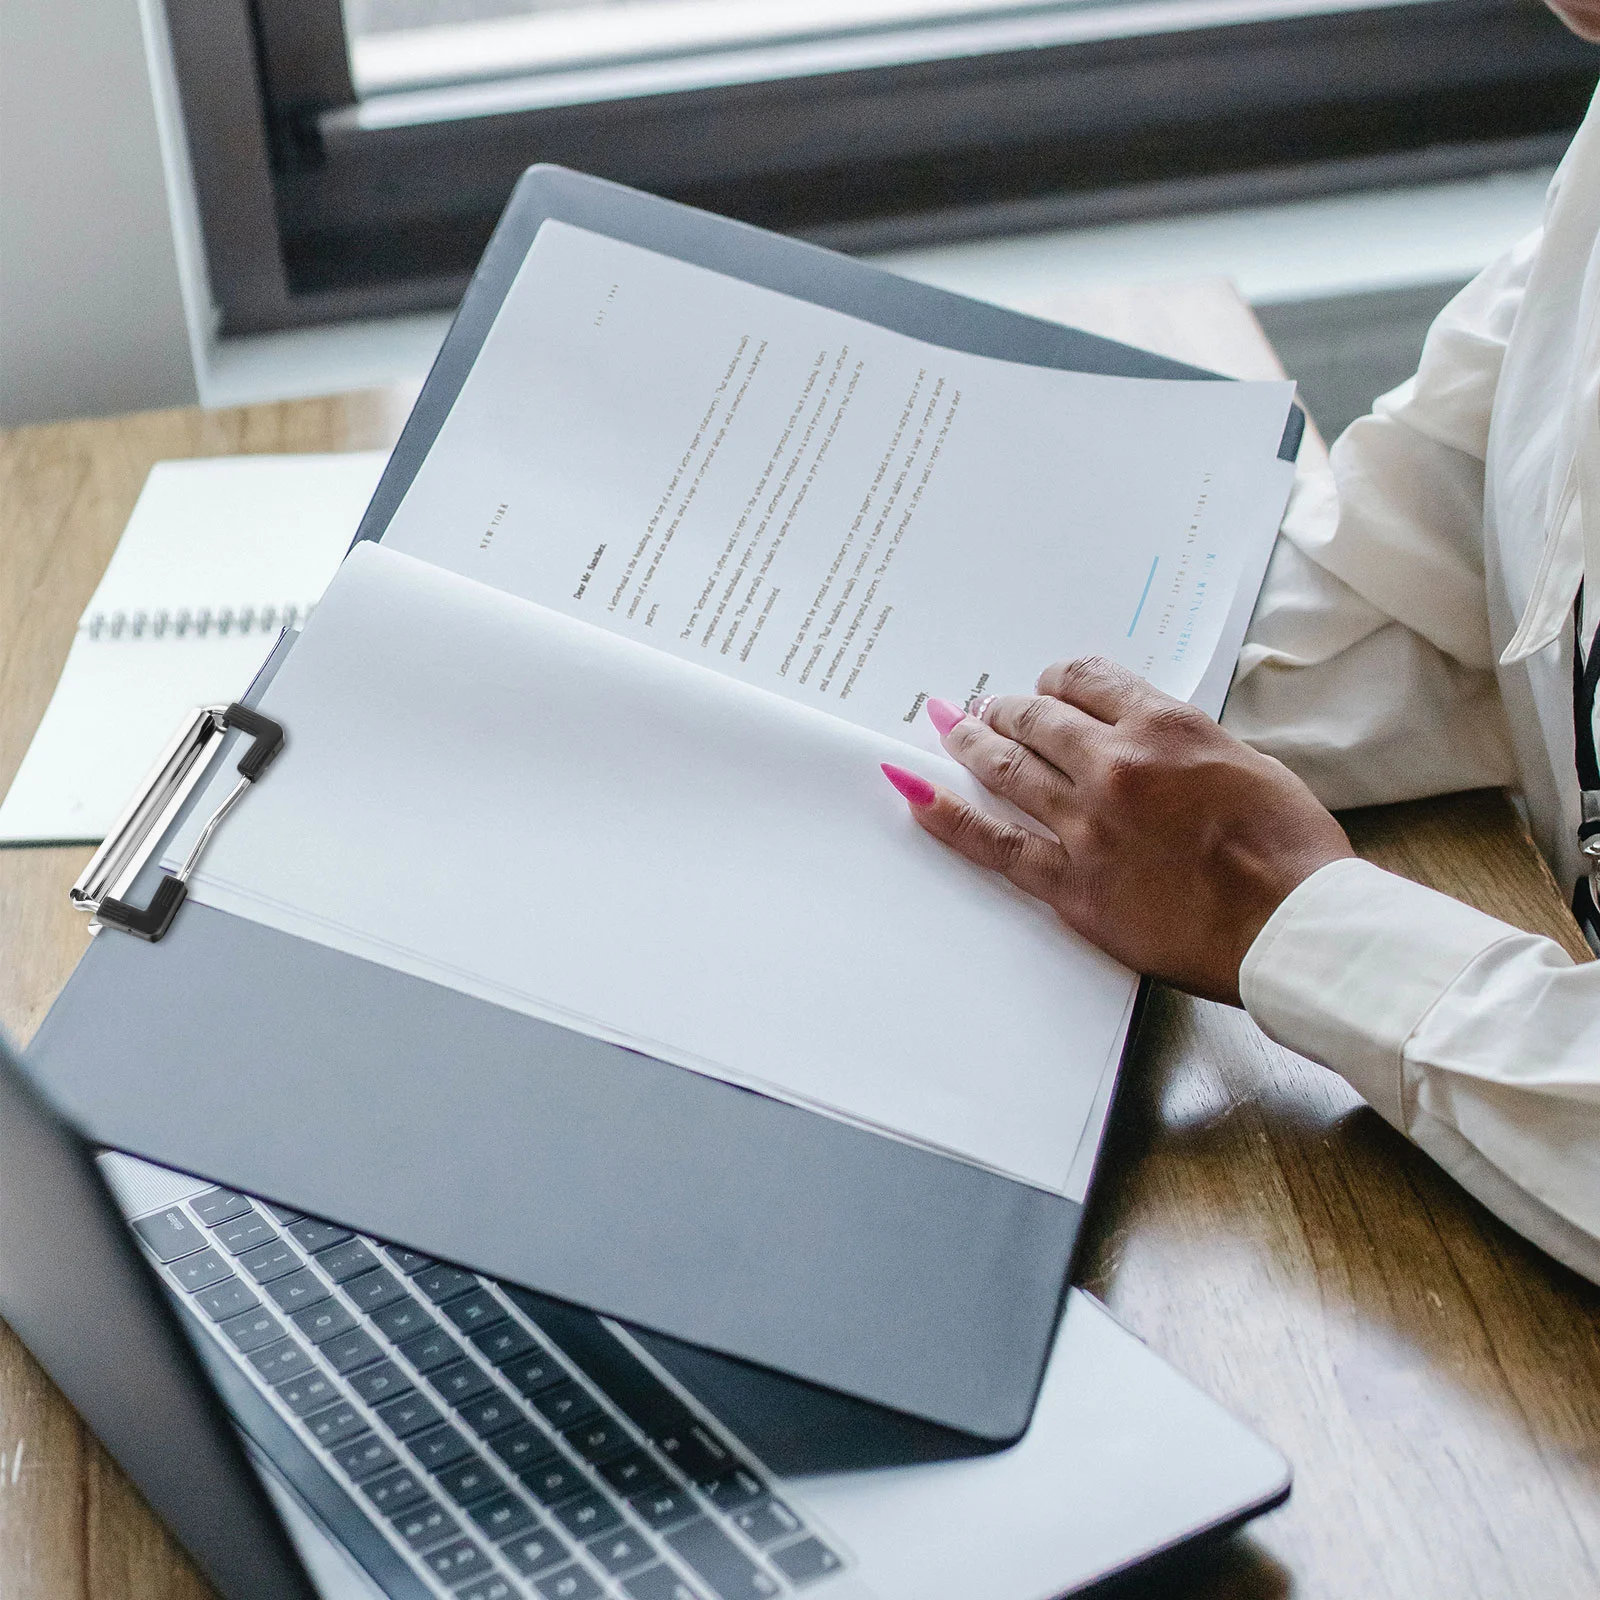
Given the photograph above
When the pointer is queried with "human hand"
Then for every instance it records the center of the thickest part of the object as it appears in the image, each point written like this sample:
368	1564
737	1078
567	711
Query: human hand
1173	842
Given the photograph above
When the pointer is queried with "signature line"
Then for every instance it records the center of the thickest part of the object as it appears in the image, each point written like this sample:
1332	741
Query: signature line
1139	609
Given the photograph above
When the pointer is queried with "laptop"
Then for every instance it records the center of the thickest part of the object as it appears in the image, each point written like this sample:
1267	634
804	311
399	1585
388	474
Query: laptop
396	1426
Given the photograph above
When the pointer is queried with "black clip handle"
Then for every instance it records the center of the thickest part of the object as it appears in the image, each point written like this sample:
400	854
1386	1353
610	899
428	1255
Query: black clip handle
151	922
146	922
266	739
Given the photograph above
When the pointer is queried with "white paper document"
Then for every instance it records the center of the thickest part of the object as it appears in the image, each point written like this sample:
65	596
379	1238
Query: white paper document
218	555
488	794
846	516
595	733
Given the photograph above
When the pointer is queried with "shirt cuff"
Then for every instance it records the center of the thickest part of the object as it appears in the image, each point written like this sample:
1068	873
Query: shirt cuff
1348	966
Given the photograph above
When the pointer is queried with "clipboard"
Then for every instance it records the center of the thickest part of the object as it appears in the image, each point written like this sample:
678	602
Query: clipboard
592	1173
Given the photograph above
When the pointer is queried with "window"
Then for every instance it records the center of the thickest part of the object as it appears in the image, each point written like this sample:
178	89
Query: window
407	44
352	159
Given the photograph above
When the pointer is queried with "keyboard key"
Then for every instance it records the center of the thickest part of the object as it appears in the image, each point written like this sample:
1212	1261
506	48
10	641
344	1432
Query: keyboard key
342	1261
459	1382
532	1372
394	1491
489	1414
494	1588
503	1342
633	1473
269	1261
564	1403
282	1215
457	1561
658	1583
335	1425
734	1489
364	1457
567	1583
408	1413
226	1298
806	1561
536	1551
696	1453
521	1446
275	1362
767	1523
600	1438
169	1235
347	1351
710	1552
200	1271
402	1319
440	1283
432	1349
438	1447
469	1481
313	1234
408	1261
643	1399
639	1394
373	1289
621	1550
380	1382
551	1480
309	1392
323	1321
302	1288
424	1526
245	1231
219	1205
479	1309
252	1329
586	1515
664	1508
501	1515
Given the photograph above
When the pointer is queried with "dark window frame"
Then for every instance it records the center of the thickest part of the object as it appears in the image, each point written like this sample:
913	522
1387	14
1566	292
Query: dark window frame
317	208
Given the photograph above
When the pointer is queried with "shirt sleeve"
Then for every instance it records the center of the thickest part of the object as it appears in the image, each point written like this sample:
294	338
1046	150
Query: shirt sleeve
1368	667
1479	1042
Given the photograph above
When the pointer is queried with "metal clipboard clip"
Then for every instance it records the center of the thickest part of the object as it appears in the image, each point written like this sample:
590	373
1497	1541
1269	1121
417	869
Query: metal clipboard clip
140	829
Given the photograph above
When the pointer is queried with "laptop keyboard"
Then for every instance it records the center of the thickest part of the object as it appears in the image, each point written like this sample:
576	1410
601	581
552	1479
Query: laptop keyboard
506	1444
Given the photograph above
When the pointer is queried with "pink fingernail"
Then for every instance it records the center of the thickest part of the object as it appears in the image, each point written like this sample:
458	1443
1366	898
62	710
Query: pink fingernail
917	790
944	715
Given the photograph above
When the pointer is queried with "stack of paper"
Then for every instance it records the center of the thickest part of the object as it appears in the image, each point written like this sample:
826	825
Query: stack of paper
604	836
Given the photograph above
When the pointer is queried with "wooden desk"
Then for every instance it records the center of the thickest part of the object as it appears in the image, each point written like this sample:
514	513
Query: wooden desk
1435	1381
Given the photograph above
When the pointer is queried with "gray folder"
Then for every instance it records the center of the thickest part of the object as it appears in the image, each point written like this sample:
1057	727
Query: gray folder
535	1153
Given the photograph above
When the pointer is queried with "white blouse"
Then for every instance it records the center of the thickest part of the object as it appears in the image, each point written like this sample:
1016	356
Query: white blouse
1414	637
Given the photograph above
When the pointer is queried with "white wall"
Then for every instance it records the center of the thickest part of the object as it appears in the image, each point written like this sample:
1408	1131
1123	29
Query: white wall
102	303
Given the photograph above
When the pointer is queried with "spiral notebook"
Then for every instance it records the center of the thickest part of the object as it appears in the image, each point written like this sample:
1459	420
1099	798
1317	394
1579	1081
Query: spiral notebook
218	557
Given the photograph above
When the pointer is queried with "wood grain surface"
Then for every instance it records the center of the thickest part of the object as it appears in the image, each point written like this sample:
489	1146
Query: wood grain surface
1434	1379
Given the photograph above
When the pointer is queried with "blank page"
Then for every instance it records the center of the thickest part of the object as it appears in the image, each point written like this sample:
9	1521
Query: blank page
486	793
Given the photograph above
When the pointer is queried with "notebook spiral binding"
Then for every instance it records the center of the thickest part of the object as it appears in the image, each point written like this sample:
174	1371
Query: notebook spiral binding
198	623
